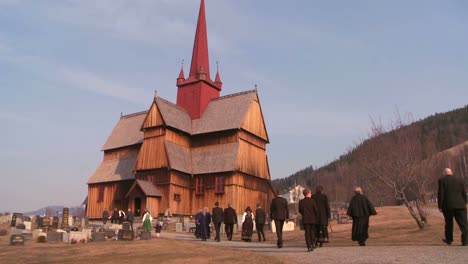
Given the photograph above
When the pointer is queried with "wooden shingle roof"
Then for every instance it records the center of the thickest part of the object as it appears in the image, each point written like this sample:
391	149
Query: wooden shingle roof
148	188
114	170
179	157
214	158
126	132
224	113
174	116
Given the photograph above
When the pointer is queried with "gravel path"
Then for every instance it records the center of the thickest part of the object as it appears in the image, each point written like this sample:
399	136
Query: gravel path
349	255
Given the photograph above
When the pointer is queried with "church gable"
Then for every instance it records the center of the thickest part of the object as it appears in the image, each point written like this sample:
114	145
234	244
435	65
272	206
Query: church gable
152	154
253	121
153	118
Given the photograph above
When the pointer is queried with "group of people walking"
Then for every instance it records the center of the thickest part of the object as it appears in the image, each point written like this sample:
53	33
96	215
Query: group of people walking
228	216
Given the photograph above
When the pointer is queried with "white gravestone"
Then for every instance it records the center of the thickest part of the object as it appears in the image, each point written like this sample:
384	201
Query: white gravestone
286	227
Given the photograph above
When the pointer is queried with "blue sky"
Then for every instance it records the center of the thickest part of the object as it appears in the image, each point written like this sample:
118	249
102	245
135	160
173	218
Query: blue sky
68	68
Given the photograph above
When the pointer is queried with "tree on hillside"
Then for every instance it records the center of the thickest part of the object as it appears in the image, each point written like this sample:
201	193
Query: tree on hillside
398	164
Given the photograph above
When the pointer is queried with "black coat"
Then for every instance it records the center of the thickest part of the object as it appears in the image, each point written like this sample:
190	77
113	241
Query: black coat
323	208
360	206
308	210
130	217
230	216
260	216
279	209
451	193
217	215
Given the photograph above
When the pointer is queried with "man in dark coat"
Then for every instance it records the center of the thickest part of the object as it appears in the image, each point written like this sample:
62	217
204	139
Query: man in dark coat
115	216
217	215
279	212
260	219
130	217
310	218
452	203
105	216
321	234
230	218
360	209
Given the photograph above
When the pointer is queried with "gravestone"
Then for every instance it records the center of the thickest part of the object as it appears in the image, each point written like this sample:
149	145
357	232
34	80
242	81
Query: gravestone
145	235
66	237
65	215
55	222
126	235
15	231
27	218
27	236
46	221
110	233
13	220
17	240
126	226
54	237
21	226
39	222
99	236
178	227
78	237
29	225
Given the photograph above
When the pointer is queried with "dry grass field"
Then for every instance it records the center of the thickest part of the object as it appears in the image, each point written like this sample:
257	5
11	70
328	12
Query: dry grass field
391	227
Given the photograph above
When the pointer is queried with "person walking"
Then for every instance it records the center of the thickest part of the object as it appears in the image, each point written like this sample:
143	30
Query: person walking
323	207
130	217
121	216
452	200
217	216
115	216
147	219
230	218
260	219
310	218
247	225
105	216
279	212
360	209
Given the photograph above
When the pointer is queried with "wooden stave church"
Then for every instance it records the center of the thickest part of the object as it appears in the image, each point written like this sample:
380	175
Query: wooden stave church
188	155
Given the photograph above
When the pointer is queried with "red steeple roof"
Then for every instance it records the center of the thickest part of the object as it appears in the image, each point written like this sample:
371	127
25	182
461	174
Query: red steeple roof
200	58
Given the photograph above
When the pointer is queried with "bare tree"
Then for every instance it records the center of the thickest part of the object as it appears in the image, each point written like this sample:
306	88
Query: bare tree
396	163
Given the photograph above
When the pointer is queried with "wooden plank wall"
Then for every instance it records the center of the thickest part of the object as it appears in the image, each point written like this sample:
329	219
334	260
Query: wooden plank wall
154	132
113	198
178	138
180	184
252	160
136	193
153	118
214	139
153	204
254	122
152	154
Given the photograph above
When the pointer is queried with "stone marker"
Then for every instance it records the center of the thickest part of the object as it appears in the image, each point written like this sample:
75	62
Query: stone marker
126	226
13	220
28	225
66	237
15	231
126	235
27	235
99	236
26	218
178	227
16	240
46	221
145	235
65	215
39	222
110	233
78	237
55	222
286	227
3	232
21	226
54	237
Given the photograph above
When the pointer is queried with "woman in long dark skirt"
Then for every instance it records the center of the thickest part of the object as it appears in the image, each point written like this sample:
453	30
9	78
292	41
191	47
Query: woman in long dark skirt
247	225
324	214
360	209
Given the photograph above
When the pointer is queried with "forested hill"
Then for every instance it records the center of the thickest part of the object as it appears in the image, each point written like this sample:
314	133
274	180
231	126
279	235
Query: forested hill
425	137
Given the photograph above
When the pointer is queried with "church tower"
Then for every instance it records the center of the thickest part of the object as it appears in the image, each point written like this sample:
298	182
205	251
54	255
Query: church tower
198	89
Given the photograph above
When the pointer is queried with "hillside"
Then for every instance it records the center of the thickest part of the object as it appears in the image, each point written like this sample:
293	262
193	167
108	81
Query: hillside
423	139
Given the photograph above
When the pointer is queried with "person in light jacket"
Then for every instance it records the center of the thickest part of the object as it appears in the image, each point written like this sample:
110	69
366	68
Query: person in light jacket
147	219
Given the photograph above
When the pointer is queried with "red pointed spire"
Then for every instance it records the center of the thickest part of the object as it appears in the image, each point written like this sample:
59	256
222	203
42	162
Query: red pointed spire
181	77
218	81
200	58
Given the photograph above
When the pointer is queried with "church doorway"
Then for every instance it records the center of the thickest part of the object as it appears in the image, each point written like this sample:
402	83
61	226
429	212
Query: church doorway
137	204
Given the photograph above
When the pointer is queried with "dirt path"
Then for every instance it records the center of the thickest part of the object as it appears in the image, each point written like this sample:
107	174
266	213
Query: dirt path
294	252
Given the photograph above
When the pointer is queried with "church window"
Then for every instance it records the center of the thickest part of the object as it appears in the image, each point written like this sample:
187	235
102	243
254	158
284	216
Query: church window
199	187
219	184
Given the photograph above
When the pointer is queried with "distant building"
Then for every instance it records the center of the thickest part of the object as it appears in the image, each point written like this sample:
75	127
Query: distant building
294	195
184	156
